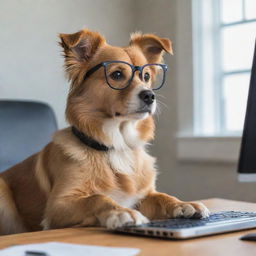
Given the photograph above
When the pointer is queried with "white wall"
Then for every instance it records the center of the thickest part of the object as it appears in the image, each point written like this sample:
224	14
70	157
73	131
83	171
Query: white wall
30	58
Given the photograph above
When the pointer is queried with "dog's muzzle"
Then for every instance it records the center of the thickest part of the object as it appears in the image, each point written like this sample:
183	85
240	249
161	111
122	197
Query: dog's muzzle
147	102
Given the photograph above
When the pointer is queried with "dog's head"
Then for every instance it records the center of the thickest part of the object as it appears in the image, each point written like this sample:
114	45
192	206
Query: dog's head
111	82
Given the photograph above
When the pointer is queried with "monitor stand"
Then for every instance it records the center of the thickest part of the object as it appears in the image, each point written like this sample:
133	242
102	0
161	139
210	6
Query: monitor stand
247	177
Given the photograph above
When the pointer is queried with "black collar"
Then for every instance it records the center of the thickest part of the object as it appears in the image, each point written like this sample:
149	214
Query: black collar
88	141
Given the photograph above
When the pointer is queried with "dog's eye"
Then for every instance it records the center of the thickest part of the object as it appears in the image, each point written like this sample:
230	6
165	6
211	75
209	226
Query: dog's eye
116	75
146	77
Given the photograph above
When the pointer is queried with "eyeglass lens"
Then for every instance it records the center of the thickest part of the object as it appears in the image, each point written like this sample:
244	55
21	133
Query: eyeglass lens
153	76
119	75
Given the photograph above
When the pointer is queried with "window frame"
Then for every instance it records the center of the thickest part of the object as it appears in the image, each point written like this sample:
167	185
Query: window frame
215	125
191	144
222	74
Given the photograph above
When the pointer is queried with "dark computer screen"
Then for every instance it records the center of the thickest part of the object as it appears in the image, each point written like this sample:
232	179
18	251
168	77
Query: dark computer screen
247	161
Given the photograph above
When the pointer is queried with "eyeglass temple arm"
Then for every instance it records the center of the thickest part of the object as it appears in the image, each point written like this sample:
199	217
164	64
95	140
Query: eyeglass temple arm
92	70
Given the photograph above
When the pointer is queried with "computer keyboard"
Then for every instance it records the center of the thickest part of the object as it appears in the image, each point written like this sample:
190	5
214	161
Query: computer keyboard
215	218
220	222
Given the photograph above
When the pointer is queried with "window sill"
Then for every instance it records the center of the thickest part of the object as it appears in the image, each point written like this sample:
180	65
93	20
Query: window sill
214	149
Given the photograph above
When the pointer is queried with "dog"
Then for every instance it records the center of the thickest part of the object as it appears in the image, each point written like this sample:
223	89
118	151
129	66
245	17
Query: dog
97	172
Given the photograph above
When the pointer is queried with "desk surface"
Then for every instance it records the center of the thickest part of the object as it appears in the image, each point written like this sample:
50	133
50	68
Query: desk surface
225	244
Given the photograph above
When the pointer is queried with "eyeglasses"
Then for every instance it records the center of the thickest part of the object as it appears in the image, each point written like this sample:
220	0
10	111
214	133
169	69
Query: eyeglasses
119	74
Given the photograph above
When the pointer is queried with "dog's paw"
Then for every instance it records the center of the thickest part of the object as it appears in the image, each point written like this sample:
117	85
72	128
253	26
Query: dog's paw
124	217
190	210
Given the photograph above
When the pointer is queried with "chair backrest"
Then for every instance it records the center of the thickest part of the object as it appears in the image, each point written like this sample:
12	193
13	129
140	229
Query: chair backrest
25	127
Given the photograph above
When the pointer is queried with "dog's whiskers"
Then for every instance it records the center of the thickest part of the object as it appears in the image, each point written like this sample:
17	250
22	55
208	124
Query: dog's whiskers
158	111
160	95
162	104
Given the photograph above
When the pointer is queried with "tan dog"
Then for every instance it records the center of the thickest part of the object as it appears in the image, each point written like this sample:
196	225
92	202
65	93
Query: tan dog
99	174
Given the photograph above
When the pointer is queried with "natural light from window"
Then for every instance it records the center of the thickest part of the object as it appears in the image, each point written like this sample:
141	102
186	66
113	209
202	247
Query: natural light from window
238	32
226	32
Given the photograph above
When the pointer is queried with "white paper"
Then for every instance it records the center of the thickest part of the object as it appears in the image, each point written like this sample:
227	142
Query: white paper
64	249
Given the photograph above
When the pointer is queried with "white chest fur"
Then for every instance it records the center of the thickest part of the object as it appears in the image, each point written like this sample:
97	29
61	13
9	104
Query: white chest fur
123	140
121	161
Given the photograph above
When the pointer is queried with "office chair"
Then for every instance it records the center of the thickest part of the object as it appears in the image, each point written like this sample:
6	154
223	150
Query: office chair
25	128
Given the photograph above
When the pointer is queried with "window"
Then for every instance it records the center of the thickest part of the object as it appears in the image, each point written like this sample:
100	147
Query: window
224	38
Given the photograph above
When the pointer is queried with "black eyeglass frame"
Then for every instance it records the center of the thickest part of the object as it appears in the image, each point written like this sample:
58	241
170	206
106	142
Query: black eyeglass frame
133	68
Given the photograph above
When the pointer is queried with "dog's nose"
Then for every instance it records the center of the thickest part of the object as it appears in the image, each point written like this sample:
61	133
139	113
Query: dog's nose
147	96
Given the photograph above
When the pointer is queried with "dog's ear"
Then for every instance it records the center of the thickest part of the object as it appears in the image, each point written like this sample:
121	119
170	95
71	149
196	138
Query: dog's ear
78	49
152	46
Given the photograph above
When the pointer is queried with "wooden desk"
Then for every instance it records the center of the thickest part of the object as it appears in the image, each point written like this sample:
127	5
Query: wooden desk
218	245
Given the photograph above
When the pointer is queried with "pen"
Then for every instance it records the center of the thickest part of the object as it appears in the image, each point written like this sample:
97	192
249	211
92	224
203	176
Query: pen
35	253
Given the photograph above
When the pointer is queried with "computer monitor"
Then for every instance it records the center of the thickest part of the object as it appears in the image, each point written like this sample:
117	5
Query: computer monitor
247	159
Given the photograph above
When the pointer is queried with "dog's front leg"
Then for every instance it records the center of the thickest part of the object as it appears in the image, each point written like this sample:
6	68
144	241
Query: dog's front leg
93	210
162	206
